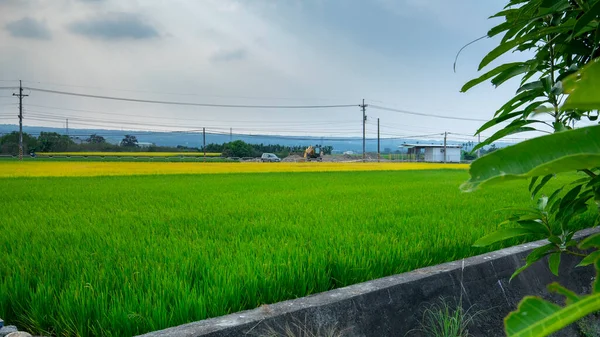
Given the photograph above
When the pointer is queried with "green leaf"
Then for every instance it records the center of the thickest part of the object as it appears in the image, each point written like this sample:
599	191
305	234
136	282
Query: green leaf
506	25
536	317
593	181
555	240
508	45
501	235
559	152
554	195
558	127
590	259
498	120
583	88
532	183
517	101
516	126
542	183
554	263
533	226
585	19
530	86
510	73
555	287
590	241
489	75
535	255
570	196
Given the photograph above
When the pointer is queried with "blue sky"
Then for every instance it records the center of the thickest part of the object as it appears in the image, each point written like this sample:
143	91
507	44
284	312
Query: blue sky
397	54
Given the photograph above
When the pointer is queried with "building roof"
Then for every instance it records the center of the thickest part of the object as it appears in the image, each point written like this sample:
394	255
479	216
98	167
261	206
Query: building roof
431	146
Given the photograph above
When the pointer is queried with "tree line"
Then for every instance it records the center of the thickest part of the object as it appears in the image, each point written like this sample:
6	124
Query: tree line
55	142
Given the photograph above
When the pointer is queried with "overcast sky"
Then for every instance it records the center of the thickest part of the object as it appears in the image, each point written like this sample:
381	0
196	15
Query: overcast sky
393	53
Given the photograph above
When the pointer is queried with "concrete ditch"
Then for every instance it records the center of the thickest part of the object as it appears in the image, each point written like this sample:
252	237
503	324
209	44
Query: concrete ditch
393	306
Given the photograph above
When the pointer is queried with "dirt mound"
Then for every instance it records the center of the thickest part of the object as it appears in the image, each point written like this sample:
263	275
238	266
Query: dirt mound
292	159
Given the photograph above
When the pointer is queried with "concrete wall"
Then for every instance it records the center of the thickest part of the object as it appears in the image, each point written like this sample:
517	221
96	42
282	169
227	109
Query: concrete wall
393	306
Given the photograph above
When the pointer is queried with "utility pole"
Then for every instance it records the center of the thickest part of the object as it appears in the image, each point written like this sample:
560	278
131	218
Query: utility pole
478	142
378	143
230	135
364	111
67	126
204	142
20	95
445	135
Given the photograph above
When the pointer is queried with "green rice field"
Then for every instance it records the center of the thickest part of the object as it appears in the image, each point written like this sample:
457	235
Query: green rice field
124	255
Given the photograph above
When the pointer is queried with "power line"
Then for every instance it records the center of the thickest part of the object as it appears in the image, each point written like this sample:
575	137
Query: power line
175	93
183	119
426	114
142	127
194	104
33	114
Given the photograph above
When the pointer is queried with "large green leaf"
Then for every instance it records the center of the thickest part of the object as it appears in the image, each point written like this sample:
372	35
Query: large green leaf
556	153
489	75
516	126
533	36
501	235
583	88
536	317
591	258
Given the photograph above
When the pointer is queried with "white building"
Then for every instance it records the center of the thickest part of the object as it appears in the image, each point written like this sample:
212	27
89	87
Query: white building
145	144
434	153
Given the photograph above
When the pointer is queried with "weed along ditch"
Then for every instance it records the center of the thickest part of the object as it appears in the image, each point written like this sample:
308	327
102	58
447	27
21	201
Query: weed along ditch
407	304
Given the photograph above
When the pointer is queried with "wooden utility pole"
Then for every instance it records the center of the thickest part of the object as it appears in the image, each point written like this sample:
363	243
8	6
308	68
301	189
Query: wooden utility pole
230	135
67	126
364	111
445	151
204	142
20	95
378	143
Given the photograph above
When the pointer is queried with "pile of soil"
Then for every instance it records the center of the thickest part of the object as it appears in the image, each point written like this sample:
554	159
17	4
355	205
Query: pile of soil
292	159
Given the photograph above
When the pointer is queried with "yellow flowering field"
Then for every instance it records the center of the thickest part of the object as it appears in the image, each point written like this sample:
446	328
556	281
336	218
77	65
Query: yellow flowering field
130	154
69	169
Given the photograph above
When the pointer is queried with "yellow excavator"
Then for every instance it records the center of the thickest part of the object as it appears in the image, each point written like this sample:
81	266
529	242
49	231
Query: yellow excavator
313	153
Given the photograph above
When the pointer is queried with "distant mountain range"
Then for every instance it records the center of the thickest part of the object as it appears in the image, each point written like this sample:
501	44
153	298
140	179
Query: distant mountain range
340	144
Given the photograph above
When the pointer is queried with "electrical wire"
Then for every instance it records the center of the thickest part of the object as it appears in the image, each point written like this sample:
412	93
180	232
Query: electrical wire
32	114
193	104
425	114
184	119
174	93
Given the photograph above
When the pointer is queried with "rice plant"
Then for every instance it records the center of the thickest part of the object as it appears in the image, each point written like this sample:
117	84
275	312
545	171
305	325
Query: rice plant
94	168
124	255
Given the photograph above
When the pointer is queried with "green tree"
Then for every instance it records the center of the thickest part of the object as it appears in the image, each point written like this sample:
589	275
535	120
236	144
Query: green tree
238	148
129	141
559	81
54	142
466	155
9	143
95	139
